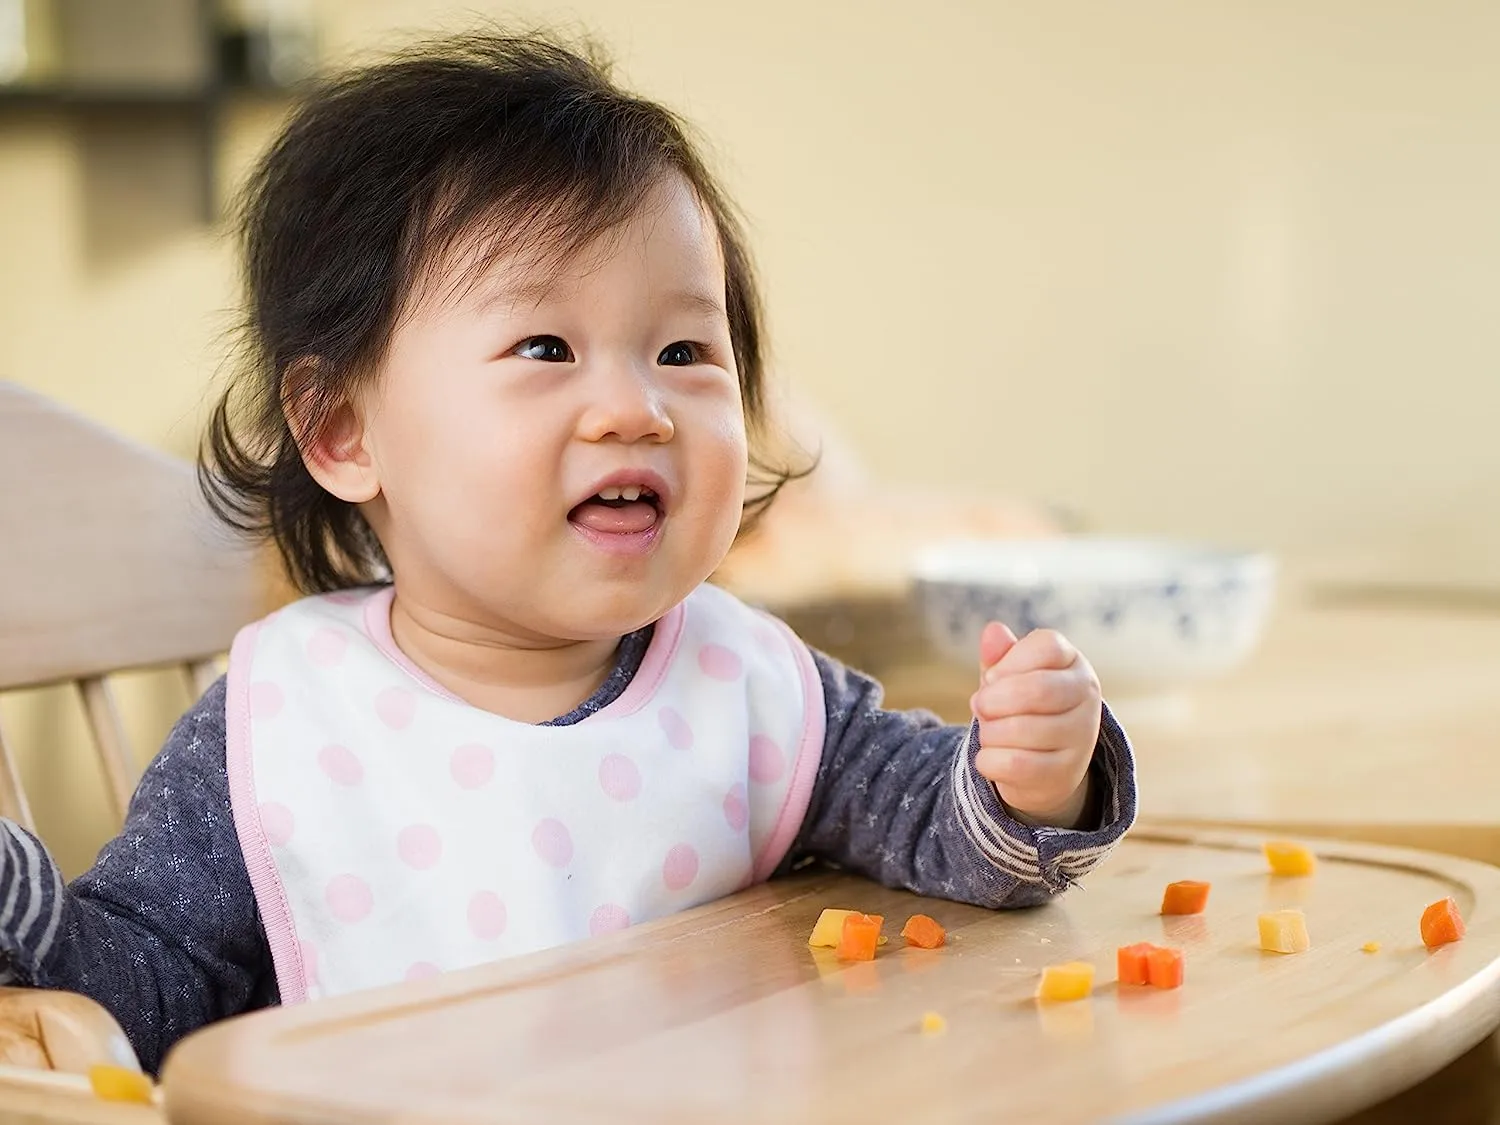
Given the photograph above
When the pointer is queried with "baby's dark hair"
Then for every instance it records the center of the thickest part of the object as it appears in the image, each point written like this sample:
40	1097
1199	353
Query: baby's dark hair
380	173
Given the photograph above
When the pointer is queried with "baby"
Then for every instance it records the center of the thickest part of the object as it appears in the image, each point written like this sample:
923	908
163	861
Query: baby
505	373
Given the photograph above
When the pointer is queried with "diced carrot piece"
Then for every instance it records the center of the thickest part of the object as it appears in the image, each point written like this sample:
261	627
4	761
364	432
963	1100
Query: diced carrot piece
1287	858
1072	981
1284	931
923	932
1441	923
1164	967
860	937
116	1084
1130	962
828	929
1185	897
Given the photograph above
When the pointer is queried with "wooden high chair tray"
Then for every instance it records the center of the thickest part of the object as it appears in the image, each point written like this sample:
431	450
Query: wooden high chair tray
723	1014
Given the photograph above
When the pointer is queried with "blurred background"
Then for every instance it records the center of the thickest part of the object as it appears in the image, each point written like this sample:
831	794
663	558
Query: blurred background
1220	270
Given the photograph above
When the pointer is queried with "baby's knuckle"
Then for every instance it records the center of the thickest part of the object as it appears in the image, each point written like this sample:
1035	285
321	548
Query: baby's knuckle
1052	644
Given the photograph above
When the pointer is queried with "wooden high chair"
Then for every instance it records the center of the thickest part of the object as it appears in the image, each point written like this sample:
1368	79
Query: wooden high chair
109	561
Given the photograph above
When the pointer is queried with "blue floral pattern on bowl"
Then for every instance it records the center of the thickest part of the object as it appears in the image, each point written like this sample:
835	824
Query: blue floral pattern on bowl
1143	612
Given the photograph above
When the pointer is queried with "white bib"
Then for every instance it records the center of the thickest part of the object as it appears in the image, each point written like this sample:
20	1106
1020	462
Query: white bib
392	831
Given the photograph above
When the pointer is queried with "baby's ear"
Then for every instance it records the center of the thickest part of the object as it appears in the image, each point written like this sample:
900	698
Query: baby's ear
329	429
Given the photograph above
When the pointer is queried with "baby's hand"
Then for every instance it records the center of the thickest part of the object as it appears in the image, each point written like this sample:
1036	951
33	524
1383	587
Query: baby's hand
1039	710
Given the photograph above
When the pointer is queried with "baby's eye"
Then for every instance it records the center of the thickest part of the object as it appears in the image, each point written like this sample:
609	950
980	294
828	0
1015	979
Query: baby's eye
680	354
548	349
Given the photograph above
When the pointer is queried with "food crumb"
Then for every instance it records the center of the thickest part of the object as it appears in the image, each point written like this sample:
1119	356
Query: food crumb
1371	947
933	1024
116	1084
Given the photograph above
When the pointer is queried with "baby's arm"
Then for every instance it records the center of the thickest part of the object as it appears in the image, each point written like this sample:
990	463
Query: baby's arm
163	930
898	799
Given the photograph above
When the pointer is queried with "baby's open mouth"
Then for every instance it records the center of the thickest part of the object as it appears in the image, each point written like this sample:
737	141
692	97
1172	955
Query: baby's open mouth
619	511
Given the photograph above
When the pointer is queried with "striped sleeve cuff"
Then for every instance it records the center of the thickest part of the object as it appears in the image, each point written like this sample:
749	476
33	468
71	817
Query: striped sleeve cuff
31	904
1051	858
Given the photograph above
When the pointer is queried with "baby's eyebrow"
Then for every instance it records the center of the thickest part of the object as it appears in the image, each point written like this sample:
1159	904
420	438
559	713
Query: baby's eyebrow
513	294
535	292
695	300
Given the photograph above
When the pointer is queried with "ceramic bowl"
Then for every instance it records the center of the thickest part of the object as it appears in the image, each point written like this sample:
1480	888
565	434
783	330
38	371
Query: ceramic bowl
1150	615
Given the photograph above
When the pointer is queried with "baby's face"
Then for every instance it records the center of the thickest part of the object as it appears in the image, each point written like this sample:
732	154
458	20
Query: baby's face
562	454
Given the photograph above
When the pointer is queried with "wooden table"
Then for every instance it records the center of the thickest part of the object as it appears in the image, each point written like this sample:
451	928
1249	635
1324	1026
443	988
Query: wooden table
724	1015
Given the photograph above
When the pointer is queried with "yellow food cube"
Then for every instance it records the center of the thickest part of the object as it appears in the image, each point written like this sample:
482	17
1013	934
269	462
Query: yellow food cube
1284	931
1287	858
116	1084
829	928
1371	947
933	1024
1072	981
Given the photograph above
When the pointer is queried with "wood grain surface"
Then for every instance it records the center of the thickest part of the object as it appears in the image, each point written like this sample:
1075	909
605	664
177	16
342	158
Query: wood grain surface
724	1015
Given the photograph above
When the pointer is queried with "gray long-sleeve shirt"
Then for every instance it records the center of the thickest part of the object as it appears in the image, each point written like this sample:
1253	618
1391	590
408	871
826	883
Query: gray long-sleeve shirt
165	933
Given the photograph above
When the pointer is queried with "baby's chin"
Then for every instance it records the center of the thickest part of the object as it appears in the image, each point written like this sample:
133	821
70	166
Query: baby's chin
603	613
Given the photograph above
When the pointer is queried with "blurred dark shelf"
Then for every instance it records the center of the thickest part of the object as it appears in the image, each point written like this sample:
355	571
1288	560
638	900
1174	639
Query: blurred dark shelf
211	67
128	98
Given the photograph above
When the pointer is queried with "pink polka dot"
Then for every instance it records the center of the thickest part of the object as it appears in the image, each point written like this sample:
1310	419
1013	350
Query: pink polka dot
277	823
340	764
553	842
736	808
396	707
349	897
266	699
487	916
720	663
676	728
419	846
680	868
422	970
472	765
327	646
607	919
619	777
767	762
309	953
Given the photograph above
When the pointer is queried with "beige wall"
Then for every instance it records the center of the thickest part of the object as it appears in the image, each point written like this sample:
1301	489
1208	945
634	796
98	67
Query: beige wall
1221	269
1207	267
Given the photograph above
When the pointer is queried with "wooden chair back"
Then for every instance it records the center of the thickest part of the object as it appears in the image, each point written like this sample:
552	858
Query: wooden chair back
109	561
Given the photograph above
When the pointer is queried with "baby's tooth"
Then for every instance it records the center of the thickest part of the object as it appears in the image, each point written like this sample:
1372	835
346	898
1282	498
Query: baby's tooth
609	494
632	493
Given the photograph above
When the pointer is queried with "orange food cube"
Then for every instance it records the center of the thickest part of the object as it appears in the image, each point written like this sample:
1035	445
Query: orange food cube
1164	967
1072	981
923	932
860	937
1287	858
1441	923
116	1084
1130	963
1284	931
1185	897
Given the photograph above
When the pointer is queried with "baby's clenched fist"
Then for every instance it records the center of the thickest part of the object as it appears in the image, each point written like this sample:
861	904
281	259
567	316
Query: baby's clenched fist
1039	711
